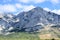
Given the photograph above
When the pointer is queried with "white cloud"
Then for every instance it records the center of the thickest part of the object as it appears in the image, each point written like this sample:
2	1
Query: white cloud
27	8
47	9
24	7
7	8
18	5
15	8
56	11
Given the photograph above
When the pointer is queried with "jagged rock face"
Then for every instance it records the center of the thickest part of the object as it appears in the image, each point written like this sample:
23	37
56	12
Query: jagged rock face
28	20
4	26
31	21
4	23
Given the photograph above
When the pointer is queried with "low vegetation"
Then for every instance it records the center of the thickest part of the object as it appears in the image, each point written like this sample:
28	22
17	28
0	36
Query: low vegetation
44	34
20	36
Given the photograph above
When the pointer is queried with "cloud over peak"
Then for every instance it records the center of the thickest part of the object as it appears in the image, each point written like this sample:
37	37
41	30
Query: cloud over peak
55	10
15	7
7	8
26	5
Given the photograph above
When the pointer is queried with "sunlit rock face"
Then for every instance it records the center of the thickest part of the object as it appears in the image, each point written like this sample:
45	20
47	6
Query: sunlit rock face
31	21
35	19
4	23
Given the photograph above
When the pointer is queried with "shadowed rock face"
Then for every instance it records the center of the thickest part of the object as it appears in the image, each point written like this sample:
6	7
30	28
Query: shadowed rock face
33	20
29	20
4	23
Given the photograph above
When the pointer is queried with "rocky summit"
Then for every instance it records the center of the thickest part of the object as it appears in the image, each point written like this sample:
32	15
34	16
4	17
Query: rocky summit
32	21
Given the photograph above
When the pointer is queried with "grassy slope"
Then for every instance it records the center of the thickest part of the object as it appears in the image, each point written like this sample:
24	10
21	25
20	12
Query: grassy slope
50	34
20	36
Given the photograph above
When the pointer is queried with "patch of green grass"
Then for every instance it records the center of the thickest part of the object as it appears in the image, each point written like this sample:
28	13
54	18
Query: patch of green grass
20	36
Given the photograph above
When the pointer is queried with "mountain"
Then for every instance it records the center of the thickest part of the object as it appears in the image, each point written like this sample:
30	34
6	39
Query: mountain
35	20
31	21
4	22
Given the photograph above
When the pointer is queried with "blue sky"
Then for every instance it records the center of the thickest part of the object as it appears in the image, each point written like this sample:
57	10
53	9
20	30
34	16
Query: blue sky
16	6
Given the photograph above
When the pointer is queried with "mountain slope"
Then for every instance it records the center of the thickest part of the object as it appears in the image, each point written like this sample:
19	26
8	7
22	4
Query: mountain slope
31	21
35	20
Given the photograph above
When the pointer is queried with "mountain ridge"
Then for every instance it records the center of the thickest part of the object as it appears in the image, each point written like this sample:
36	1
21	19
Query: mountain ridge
32	21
